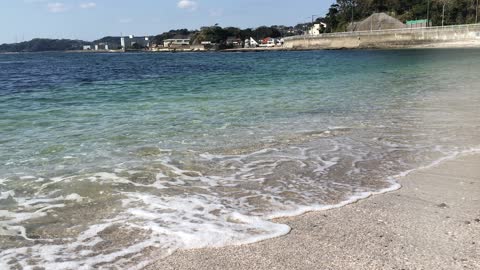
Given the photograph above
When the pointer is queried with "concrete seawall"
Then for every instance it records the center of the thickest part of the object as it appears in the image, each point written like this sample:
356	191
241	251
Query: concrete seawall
397	38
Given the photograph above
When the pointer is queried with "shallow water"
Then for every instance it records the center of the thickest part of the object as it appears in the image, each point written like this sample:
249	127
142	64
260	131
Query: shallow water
107	160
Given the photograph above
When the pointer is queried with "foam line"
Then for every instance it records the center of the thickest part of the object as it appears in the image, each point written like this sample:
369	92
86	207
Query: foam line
393	180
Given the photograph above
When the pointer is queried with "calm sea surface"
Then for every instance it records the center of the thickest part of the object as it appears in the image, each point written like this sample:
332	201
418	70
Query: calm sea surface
110	160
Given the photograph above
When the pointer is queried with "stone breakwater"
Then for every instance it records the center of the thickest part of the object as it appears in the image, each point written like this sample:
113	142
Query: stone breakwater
454	36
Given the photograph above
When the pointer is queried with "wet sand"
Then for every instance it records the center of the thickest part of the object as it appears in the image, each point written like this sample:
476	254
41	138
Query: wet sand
433	222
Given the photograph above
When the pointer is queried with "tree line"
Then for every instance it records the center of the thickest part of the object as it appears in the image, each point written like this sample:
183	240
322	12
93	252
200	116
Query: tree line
43	44
341	13
219	35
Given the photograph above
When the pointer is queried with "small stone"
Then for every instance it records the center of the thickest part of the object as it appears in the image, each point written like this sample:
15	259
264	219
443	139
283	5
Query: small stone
467	222
477	220
442	205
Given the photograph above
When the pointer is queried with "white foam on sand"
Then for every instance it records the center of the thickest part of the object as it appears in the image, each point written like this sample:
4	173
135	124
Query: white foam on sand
394	186
7	194
184	221
3	181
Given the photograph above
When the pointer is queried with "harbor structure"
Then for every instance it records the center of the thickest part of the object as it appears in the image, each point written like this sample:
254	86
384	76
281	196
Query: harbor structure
133	41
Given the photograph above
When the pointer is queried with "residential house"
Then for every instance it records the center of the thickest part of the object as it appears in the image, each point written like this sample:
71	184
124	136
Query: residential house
271	42
251	43
234	42
316	29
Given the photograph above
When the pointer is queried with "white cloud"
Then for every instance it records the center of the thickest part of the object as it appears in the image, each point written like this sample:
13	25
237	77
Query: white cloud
88	5
187	4
56	7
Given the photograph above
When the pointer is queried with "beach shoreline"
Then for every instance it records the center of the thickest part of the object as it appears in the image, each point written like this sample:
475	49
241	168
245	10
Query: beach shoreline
432	222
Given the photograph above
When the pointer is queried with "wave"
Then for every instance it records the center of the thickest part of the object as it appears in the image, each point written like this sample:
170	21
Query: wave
170	216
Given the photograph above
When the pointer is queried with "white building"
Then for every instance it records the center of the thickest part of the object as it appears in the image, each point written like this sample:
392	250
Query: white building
251	43
167	43
316	29
87	47
126	42
101	47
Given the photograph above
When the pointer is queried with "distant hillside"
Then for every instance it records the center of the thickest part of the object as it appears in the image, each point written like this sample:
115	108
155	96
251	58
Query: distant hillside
113	42
43	45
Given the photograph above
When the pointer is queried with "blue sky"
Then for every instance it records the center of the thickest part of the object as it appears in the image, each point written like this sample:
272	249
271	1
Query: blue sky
92	19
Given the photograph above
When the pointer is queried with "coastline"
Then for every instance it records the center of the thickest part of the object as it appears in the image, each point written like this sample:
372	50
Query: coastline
435	45
433	222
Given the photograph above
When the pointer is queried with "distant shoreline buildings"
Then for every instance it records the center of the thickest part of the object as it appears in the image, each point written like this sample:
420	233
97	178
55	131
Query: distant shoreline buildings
178	43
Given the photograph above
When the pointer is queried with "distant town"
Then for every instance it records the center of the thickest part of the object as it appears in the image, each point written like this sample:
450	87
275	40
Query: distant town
212	38
205	39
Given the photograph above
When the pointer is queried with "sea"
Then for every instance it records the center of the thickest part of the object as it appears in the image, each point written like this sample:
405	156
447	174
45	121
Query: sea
114	160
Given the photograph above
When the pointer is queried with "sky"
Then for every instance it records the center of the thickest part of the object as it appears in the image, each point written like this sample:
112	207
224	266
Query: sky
22	20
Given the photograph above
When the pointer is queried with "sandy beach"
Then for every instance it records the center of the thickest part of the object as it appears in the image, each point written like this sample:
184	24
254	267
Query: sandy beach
433	222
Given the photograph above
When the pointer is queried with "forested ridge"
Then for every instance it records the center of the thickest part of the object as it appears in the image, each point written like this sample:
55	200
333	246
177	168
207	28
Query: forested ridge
342	12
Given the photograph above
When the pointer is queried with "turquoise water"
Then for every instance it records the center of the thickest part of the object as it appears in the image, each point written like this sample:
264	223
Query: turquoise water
108	160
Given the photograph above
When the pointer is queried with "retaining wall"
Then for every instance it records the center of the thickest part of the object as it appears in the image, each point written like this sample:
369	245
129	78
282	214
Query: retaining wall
396	38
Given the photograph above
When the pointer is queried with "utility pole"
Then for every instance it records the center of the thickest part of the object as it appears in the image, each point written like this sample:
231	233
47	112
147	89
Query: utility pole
371	25
353	13
476	13
443	14
313	18
428	13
